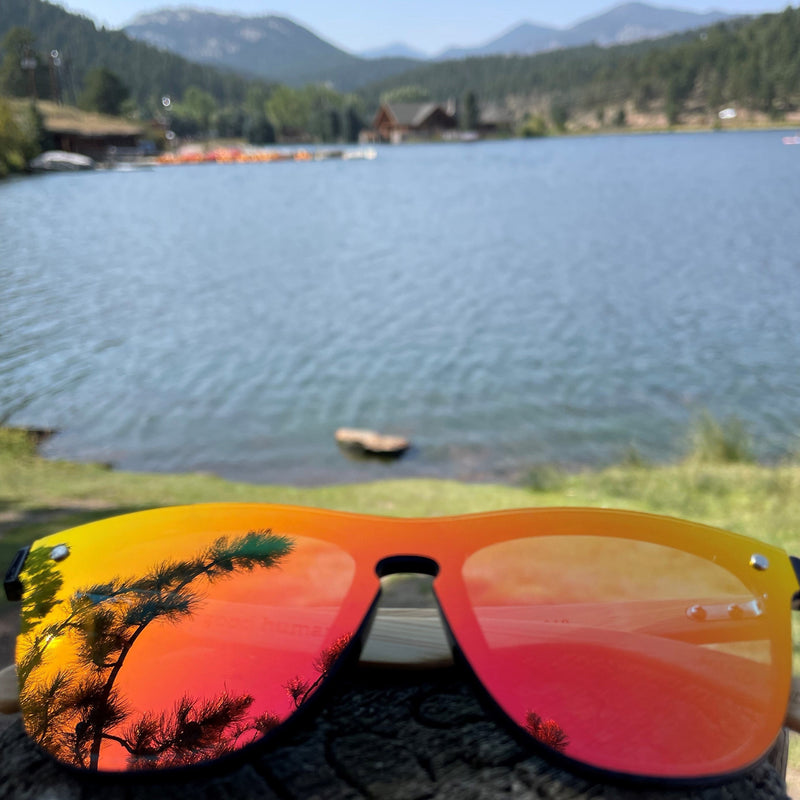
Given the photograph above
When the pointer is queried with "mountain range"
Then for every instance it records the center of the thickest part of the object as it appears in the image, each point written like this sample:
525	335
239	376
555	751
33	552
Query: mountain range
271	47
278	49
630	22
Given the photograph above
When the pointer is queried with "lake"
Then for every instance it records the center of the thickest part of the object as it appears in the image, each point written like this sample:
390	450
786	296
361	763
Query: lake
503	304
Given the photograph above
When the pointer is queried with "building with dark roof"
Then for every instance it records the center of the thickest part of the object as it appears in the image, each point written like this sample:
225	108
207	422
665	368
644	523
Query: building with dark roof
397	122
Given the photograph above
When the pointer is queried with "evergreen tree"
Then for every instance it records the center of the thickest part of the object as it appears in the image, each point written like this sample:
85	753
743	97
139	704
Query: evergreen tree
21	137
20	63
200	106
352	124
289	111
469	112
229	122
105	92
559	114
258	129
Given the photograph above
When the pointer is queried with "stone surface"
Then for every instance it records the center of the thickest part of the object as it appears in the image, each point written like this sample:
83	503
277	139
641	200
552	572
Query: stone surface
371	443
379	734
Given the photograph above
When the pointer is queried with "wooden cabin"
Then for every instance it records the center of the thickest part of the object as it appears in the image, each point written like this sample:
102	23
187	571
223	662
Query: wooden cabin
95	135
398	122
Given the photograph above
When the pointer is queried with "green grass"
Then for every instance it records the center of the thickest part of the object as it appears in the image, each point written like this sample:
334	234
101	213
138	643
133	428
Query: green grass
38	495
726	442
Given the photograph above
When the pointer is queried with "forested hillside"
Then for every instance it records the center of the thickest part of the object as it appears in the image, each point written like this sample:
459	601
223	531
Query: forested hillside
147	73
48	53
752	63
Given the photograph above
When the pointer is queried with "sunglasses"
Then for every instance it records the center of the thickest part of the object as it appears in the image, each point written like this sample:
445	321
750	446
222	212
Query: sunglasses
629	643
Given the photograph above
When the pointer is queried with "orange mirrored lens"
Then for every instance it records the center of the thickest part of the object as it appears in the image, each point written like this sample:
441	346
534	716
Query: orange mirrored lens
164	646
634	643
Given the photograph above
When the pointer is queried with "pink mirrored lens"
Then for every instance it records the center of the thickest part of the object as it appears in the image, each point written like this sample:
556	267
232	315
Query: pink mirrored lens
635	657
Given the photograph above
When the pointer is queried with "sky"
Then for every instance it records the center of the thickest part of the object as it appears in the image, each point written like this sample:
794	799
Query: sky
427	25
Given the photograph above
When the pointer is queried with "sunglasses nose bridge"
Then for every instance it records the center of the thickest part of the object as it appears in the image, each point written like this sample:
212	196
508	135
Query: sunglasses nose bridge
392	565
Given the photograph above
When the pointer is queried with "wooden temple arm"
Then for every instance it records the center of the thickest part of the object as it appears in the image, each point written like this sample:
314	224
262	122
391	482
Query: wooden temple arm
9	701
793	709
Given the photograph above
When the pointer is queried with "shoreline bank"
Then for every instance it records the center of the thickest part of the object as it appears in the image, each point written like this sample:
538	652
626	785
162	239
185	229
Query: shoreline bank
219	151
39	495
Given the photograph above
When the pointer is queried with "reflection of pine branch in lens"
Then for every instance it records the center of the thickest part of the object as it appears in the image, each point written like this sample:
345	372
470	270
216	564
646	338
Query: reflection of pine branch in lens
43	582
104	622
194	731
299	688
547	731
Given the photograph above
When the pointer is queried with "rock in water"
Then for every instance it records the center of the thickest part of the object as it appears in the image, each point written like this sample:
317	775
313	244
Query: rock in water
369	443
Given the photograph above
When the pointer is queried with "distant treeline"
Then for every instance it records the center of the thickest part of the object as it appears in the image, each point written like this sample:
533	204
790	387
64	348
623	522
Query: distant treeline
754	63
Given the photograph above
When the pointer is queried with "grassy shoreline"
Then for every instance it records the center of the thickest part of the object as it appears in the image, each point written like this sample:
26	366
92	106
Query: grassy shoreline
716	485
38	495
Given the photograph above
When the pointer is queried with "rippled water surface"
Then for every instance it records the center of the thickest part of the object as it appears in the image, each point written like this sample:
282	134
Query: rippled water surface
503	304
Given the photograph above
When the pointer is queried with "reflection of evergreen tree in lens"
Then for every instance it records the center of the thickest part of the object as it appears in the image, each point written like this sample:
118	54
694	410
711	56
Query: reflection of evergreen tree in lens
299	688
202	730
547	731
198	731
194	731
72	713
43	582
